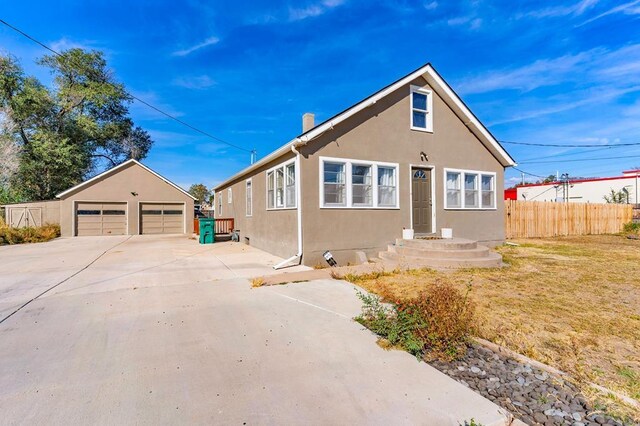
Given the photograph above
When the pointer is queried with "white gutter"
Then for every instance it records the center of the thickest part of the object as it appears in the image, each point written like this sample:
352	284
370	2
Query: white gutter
298	255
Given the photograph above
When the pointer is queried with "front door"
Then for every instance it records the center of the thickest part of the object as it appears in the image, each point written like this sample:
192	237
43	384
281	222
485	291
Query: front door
421	200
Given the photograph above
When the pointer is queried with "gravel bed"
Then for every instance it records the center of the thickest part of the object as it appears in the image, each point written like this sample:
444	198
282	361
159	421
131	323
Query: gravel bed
530	394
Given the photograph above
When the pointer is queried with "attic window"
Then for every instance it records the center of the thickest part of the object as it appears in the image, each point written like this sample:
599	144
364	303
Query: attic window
421	109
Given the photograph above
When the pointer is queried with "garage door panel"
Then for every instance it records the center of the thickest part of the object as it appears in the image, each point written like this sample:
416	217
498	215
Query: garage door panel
101	219
162	218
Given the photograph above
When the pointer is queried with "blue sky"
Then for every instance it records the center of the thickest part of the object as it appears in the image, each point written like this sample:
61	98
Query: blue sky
556	73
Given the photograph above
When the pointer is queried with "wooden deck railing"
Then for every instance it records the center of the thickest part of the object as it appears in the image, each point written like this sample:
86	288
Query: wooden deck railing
224	225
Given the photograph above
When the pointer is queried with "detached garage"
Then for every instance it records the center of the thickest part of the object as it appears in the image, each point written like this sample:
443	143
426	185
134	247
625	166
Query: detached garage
129	199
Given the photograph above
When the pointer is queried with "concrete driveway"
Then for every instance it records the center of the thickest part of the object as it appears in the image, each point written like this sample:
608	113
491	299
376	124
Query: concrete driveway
161	330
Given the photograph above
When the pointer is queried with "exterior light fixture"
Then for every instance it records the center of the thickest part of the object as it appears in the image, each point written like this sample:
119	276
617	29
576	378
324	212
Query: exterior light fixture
329	258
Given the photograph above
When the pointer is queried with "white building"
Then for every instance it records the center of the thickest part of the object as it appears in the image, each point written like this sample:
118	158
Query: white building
584	190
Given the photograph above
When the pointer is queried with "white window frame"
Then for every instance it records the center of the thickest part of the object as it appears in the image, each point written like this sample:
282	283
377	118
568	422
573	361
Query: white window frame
219	204
283	168
248	198
349	162
229	196
429	112
479	174
493	189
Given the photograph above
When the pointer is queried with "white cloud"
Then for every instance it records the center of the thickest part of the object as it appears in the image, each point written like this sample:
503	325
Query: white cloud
476	23
189	50
473	22
543	72
460	20
595	67
195	82
66	44
313	10
560	11
630	8
431	5
563	104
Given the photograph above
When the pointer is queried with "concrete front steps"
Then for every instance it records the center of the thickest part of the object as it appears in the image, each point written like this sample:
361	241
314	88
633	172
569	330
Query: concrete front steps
440	253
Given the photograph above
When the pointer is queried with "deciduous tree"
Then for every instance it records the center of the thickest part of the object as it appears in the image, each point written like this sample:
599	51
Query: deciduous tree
201	193
71	130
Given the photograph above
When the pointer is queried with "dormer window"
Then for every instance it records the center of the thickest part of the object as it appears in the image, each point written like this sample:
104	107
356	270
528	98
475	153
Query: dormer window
421	109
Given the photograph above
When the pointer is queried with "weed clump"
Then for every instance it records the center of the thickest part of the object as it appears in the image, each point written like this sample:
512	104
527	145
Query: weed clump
631	228
38	234
436	324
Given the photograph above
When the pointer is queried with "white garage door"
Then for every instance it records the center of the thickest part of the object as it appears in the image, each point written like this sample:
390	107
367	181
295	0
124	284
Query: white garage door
101	219
156	218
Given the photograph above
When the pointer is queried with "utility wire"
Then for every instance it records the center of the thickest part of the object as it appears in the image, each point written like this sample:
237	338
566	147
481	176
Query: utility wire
570	146
166	114
567	154
543	192
581	159
530	174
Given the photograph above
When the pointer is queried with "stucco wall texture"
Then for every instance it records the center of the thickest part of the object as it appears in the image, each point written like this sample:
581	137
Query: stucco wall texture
132	184
379	133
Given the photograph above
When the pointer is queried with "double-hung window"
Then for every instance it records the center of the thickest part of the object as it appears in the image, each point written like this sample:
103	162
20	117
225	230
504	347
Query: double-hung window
470	190
488	197
466	189
453	190
290	185
361	194
421	109
249	196
387	187
335	184
281	186
270	189
358	184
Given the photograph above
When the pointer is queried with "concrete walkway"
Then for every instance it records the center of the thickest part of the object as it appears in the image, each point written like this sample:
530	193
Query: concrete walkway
162	331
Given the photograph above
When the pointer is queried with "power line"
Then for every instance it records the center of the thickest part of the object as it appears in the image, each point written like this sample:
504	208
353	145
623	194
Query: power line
542	193
581	159
568	154
166	114
569	145
530	174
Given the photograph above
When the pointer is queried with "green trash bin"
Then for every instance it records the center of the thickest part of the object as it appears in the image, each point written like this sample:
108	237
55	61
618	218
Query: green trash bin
207	228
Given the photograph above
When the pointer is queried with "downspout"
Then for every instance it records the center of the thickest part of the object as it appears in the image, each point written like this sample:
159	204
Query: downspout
298	255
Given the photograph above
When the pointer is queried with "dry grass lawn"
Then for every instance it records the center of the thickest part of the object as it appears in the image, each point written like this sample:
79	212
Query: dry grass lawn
571	302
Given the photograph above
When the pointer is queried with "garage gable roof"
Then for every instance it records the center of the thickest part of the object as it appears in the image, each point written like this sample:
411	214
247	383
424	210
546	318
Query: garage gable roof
437	83
115	170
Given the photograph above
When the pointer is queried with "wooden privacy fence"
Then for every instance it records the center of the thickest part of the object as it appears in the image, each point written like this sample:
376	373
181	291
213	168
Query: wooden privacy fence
536	219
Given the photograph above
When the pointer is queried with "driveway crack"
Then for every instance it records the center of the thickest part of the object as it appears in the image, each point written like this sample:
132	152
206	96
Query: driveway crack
63	281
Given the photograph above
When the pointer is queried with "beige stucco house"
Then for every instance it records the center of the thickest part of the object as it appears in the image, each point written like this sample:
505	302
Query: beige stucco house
411	155
128	199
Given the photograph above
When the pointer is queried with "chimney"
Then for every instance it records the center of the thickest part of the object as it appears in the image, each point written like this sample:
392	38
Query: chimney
308	121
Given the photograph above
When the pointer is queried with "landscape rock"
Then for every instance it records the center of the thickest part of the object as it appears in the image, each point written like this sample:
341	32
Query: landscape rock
531	394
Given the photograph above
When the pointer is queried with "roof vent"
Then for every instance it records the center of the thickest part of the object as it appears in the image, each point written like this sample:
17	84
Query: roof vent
308	121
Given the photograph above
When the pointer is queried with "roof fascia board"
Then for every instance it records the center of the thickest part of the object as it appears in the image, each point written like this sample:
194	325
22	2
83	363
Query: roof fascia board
439	85
115	170
459	107
274	154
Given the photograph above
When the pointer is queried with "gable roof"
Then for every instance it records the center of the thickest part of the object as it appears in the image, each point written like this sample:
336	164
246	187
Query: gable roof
437	83
115	170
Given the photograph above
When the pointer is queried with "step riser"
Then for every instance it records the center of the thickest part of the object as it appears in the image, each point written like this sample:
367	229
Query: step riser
440	254
437	244
489	262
